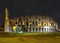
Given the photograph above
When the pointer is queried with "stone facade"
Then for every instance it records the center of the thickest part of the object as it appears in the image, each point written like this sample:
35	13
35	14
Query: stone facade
31	23
35	24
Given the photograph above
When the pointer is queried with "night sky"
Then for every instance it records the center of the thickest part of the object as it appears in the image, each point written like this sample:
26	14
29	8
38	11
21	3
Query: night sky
30	7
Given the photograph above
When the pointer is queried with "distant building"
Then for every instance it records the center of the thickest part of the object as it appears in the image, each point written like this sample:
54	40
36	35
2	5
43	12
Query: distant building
33	23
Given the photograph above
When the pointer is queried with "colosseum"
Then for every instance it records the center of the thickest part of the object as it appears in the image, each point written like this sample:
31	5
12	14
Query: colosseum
33	24
30	23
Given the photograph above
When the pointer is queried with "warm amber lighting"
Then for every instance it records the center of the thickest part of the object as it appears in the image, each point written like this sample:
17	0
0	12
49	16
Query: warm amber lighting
23	23
49	24
44	23
20	23
14	27
30	23
12	21
54	24
39	24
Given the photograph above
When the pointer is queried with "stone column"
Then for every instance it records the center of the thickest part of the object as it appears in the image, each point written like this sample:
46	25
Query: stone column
46	29
41	30
34	29
31	29
28	30
37	29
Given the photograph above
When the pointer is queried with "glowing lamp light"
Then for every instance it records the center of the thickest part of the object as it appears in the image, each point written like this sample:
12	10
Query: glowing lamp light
49	24
23	23
46	27
44	23
30	23
39	24
14	27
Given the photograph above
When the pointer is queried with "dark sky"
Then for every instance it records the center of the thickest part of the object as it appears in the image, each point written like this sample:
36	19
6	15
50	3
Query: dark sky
31	7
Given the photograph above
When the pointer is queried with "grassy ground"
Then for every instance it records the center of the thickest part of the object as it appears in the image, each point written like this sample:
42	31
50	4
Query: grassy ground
30	38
